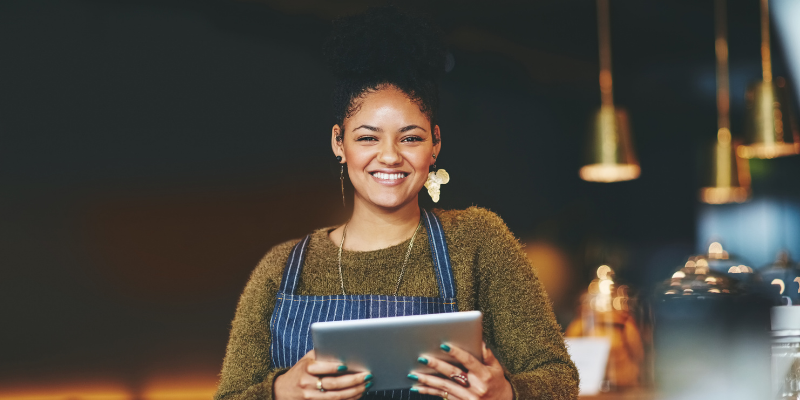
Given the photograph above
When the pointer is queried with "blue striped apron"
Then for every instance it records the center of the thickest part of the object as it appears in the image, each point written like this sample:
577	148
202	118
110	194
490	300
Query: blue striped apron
294	314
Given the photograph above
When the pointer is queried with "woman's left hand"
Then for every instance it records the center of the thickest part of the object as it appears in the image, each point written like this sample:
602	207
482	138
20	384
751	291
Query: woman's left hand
485	380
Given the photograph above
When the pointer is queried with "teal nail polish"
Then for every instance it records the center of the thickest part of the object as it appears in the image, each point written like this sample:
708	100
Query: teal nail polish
413	377
368	377
445	348
415	390
368	385
423	360
341	368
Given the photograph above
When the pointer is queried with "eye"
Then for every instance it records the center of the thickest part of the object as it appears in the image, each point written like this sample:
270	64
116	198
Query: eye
366	139
412	139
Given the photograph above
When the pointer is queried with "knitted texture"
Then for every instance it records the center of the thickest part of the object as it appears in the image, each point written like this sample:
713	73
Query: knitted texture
492	274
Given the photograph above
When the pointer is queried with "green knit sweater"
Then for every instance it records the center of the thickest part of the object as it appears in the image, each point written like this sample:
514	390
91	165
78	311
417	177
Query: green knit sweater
492	274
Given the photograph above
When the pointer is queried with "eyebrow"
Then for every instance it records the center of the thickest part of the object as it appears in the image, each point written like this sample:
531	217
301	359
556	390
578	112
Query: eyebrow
402	130
411	127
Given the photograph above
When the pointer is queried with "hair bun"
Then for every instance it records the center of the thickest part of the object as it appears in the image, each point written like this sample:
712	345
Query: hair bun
386	43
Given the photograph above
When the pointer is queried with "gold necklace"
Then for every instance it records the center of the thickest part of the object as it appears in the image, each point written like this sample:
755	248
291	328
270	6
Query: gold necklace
402	269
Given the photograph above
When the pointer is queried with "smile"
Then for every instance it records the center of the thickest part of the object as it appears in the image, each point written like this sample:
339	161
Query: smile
389	178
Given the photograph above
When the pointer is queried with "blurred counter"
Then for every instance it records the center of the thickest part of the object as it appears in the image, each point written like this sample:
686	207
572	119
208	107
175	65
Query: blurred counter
633	394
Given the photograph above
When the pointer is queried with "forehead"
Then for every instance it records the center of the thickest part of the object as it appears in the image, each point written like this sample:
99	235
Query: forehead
388	105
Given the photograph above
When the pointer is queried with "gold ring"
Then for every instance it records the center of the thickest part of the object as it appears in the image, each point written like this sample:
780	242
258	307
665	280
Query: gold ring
319	385
445	396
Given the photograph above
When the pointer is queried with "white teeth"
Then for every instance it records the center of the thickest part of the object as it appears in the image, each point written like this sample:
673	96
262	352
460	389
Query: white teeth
381	175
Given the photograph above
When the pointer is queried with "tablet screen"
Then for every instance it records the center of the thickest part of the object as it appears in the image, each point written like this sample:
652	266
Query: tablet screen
389	347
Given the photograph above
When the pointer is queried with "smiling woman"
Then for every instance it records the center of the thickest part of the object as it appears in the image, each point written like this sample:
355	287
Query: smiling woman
392	257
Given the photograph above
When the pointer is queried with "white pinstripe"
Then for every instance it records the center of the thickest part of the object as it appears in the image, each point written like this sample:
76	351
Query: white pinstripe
291	332
299	344
327	311
306	346
336	308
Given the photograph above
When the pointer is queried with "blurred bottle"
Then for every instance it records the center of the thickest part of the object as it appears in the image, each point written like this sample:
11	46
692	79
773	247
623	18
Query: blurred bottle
607	310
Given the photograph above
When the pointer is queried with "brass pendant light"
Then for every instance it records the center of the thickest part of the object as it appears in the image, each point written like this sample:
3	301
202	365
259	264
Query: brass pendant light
729	179
771	129
610	156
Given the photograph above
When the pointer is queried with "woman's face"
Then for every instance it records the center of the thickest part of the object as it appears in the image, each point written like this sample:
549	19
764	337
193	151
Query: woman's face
388	147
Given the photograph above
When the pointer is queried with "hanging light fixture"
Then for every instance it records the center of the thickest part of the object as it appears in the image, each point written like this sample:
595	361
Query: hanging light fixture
610	156
771	129
729	179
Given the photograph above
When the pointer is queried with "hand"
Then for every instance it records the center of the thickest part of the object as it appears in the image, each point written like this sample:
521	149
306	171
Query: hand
300	381
485	379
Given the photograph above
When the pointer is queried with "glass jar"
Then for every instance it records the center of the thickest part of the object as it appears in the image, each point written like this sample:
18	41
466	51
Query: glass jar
786	352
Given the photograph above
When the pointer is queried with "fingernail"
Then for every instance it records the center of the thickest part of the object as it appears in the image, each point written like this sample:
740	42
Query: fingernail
423	360
368	385
413	377
413	389
445	348
368	377
341	368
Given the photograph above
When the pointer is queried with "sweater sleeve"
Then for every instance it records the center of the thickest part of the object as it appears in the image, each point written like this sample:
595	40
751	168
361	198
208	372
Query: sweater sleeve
247	371
519	322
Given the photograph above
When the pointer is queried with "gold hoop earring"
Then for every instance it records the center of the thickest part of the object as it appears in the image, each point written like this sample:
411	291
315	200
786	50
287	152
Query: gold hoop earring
341	177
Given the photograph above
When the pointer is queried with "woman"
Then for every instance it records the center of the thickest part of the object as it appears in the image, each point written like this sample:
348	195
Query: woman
392	253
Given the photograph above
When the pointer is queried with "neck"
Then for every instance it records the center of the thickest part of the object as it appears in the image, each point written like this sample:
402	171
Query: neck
373	228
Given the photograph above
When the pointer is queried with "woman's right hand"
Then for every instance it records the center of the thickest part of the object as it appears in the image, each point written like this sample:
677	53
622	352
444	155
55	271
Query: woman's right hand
300	381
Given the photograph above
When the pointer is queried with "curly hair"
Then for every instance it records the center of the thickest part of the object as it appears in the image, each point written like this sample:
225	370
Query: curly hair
385	46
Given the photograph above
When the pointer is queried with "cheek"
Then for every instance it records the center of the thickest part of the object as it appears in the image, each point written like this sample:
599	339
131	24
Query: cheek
421	162
357	159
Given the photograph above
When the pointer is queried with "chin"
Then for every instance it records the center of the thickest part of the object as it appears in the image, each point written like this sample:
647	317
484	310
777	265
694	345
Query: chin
390	202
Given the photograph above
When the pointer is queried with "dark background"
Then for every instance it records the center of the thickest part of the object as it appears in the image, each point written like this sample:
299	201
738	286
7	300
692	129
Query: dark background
152	151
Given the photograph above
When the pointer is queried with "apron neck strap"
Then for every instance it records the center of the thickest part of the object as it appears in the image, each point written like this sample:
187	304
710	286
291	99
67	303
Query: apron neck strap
439	253
294	265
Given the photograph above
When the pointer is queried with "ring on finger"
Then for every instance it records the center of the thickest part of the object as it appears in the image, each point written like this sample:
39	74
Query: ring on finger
460	379
445	396
319	385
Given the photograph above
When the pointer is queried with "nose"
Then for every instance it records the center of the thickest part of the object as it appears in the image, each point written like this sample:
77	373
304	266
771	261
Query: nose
388	154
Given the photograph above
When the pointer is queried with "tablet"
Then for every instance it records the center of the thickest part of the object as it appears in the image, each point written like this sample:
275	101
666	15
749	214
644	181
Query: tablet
389	347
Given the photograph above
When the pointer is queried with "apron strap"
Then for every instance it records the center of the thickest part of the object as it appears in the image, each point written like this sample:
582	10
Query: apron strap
441	257
439	253
294	265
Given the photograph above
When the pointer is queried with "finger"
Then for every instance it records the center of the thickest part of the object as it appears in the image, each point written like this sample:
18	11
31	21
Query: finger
488	356
345	381
351	392
438	383
472	364
357	397
435	392
325	368
360	395
442	367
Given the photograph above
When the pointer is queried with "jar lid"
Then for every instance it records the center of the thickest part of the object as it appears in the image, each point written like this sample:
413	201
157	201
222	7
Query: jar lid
785	318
